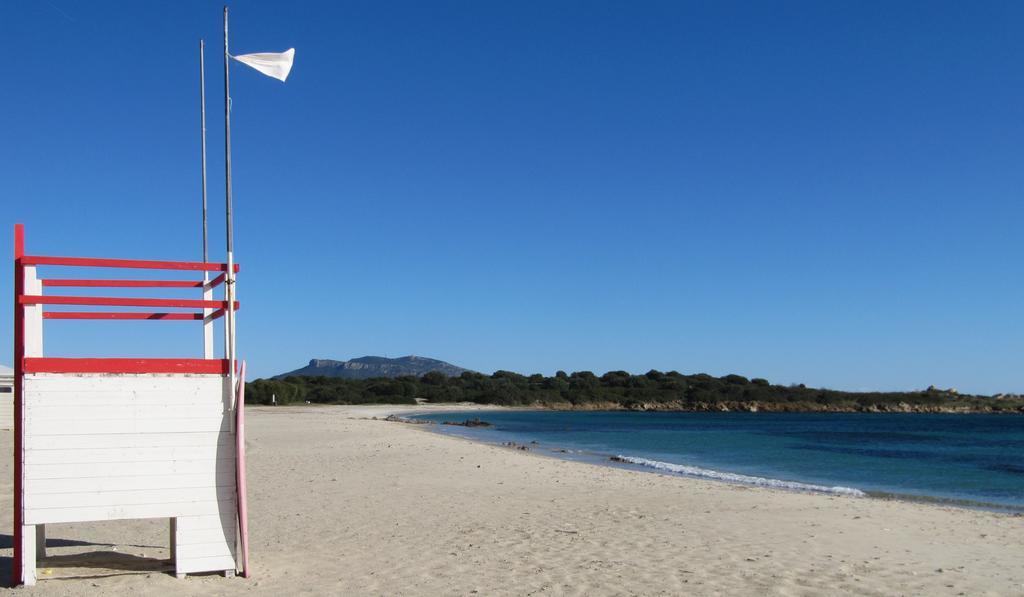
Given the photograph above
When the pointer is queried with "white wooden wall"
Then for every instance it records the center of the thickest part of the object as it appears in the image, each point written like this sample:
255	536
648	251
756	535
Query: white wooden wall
109	447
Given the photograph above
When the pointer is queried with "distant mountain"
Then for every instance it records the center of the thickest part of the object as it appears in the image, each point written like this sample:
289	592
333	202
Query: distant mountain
367	367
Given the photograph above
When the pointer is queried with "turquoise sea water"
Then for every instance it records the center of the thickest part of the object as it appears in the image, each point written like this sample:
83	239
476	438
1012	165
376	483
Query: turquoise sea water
975	460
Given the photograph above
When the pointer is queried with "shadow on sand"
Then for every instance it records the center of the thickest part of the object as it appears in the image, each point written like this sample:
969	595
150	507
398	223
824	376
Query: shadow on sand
113	562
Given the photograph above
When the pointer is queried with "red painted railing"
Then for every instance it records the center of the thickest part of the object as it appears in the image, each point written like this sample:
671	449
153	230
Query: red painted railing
124	283
204	310
64	365
130	263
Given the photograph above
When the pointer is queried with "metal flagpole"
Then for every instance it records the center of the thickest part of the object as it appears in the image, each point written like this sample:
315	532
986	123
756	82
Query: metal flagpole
207	291
229	276
202	124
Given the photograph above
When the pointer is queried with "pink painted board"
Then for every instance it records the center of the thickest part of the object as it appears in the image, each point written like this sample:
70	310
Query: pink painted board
243	514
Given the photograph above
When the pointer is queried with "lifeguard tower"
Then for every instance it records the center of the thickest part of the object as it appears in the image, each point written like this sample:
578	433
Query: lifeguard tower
100	439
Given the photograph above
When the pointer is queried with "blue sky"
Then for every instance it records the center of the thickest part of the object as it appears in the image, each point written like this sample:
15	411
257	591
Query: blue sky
816	192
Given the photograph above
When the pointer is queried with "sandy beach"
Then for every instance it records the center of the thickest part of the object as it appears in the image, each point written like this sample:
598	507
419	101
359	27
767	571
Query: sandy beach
346	505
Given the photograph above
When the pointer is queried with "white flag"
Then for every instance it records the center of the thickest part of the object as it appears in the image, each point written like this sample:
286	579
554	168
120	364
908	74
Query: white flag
270	64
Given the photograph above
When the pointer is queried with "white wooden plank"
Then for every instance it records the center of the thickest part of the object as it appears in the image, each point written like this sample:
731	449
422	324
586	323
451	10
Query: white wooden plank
95	385
188	551
169	425
92	388
28	554
224	520
85	414
179	481
74	394
70	390
113	398
127	469
136	497
99	513
128	440
33	330
162	403
135	380
127	381
221	534
193	565
90	382
207	324
205	543
97	455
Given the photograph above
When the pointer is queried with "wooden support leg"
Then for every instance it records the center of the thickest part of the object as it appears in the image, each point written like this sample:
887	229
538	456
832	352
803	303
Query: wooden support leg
28	554
174	550
40	542
174	539
205	544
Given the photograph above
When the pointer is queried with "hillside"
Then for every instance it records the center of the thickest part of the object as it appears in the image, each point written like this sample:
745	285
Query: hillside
369	367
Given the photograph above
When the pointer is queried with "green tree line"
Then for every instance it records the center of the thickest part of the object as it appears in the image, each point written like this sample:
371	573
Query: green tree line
615	389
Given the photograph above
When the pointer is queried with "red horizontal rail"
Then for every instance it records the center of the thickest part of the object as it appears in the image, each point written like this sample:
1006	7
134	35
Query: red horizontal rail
65	365
218	280
125	283
29	299
131	263
122	315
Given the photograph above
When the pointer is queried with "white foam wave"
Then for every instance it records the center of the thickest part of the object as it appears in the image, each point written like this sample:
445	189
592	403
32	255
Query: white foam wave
695	471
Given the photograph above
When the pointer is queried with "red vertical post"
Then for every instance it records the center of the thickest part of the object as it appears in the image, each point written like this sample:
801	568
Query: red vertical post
19	428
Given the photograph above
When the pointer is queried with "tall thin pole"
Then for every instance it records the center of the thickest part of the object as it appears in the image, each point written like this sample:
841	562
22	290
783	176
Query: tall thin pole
207	291
202	127
227	137
229	276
